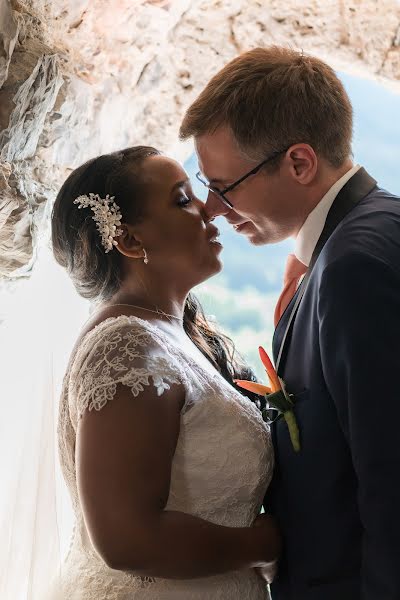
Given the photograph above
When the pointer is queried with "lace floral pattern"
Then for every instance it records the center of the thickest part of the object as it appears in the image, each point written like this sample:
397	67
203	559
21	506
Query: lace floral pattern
221	468
116	359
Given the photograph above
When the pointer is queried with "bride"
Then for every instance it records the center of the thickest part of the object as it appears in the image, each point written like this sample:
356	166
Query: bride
165	461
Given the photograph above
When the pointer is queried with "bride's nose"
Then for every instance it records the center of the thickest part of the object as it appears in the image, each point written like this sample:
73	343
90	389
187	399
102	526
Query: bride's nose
214	207
204	214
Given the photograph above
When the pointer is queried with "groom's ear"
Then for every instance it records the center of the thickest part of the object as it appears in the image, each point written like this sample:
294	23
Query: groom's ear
303	163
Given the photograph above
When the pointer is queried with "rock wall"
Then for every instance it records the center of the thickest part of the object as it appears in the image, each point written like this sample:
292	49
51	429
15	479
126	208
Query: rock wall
82	77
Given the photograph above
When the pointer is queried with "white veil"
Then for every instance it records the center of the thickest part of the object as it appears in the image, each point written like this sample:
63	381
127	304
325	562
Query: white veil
41	318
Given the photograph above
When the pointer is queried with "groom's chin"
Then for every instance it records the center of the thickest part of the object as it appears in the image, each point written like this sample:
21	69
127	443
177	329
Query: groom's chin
256	237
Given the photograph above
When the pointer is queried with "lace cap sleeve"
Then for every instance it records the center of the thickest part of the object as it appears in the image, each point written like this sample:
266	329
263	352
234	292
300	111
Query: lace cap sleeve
121	351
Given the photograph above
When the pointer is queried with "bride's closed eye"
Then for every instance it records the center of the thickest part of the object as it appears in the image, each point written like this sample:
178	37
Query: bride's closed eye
184	200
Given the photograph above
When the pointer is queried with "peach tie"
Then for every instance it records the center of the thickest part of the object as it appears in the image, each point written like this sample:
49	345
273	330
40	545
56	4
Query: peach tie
293	271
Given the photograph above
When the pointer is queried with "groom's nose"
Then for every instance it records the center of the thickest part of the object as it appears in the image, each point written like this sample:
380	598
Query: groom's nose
214	207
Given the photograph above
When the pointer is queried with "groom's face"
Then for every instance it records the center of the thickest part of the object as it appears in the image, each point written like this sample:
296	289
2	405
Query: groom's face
263	204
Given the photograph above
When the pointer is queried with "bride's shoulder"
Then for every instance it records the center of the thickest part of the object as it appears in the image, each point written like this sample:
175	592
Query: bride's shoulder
106	323
108	316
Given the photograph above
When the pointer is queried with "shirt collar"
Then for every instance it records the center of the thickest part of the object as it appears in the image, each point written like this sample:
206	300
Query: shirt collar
312	227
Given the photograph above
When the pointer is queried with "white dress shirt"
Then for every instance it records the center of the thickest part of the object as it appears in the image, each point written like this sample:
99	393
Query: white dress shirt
312	227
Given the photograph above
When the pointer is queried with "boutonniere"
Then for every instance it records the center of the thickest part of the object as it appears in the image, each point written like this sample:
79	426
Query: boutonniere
276	397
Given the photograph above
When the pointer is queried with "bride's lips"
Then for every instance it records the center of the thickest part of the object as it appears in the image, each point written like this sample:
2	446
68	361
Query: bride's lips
213	235
215	242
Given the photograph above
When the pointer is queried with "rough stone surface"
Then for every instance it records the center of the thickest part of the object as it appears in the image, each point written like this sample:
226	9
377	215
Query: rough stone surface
90	76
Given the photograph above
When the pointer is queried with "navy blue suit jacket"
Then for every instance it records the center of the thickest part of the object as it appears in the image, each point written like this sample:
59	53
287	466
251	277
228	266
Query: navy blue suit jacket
338	499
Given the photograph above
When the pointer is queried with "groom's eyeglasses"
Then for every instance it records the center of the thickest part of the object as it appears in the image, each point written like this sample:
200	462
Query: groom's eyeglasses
222	193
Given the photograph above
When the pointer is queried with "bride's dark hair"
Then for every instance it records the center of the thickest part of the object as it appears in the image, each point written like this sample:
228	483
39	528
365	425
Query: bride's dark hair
96	275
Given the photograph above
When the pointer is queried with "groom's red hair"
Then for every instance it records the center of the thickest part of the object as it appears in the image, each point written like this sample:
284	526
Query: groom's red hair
272	98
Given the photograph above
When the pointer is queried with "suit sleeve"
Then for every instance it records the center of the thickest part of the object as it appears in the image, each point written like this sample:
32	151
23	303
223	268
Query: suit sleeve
359	316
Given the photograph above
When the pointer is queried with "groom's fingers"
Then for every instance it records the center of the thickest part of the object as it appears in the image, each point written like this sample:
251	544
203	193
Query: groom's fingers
268	572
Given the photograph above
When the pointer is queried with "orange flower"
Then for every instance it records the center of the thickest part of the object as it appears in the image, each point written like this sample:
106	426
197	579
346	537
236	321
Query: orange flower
276	396
252	386
272	375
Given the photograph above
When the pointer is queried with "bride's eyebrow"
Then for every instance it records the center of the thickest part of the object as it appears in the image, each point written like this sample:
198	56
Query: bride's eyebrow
179	184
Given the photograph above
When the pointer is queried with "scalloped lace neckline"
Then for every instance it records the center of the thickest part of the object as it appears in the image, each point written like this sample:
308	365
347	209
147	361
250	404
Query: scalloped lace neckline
214	375
156	330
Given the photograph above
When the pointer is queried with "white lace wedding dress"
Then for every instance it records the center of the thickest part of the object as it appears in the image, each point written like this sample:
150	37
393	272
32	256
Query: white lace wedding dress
221	467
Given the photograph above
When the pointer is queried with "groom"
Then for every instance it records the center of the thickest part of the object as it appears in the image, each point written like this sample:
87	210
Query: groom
273	136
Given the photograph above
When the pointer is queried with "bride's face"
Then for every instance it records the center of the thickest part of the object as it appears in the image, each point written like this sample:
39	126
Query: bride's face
179	240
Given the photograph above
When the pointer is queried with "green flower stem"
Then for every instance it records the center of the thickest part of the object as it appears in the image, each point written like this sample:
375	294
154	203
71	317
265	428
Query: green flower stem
280	401
293	429
284	404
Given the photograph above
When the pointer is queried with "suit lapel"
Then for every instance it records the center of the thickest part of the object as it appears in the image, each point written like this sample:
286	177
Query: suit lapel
359	186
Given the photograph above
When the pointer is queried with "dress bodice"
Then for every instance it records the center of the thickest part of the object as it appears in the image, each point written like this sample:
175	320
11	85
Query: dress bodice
221	467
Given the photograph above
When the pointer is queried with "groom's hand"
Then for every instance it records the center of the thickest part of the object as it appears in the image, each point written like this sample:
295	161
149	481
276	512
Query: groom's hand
268	572
272	536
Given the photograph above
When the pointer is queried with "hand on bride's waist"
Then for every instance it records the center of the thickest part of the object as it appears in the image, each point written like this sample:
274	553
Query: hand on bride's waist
273	543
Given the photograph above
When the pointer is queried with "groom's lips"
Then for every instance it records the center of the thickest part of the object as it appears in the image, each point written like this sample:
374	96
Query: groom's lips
240	226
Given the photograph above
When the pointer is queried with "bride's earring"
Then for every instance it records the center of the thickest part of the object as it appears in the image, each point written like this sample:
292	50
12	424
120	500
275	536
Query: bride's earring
145	259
